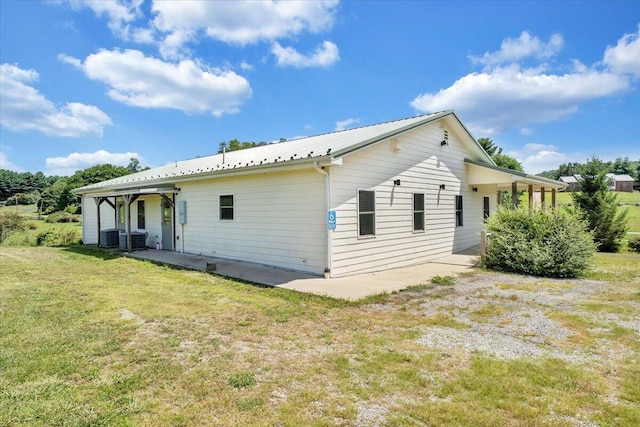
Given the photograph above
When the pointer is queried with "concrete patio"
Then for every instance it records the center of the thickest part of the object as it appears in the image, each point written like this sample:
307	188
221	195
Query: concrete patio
352	287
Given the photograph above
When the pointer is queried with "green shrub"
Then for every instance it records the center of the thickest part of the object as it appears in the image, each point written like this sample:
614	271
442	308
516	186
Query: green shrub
62	217
59	237
539	243
10	222
634	244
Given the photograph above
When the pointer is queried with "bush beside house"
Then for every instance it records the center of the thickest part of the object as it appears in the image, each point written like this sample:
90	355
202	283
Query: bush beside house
540	243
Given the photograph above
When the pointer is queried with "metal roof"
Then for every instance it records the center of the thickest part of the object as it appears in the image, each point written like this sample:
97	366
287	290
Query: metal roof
290	154
568	179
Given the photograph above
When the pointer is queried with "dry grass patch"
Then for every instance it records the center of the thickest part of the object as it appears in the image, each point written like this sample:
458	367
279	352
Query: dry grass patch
90	338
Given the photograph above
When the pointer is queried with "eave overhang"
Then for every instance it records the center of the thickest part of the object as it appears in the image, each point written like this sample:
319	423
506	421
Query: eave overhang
481	173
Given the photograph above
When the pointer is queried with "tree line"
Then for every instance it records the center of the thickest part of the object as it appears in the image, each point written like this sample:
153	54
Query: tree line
54	193
620	166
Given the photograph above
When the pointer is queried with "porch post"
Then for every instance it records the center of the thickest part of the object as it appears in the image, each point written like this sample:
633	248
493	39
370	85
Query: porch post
98	201
127	216
542	194
498	198
514	194
530	197
553	198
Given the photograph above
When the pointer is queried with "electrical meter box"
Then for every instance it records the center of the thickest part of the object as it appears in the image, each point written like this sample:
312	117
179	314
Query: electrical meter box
182	212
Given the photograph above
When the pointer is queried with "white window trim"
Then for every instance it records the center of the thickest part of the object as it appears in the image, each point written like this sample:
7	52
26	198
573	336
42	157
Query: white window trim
232	206
366	236
455	210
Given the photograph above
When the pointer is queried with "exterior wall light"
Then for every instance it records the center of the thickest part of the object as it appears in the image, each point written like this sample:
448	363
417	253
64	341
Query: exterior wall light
396	182
442	186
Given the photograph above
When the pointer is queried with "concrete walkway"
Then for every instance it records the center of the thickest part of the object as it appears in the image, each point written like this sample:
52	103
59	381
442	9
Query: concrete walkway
352	287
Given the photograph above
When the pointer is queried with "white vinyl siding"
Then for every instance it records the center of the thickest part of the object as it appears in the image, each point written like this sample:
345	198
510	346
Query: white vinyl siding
422	164
279	220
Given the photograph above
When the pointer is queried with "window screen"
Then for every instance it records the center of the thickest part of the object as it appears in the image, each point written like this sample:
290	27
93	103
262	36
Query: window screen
226	207
366	213
418	212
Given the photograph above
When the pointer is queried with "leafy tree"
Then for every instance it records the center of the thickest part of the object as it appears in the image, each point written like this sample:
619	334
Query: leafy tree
599	206
96	174
508	162
495	152
622	166
235	145
489	146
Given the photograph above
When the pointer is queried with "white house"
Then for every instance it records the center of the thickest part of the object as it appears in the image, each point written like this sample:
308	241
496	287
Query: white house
372	198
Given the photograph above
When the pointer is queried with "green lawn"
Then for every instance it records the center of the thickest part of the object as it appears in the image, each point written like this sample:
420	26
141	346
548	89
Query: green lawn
89	338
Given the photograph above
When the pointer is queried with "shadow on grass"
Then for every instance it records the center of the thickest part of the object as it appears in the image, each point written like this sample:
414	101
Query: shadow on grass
93	251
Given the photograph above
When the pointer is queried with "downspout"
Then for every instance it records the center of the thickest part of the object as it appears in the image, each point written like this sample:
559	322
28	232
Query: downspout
327	192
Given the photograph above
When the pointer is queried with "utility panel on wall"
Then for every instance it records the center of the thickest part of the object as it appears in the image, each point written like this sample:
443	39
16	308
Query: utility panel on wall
182	212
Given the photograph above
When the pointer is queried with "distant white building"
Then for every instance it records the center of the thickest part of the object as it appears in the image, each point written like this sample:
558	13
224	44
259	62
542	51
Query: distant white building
361	200
620	183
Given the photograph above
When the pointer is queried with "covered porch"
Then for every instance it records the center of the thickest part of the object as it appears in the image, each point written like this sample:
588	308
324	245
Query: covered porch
511	181
121	202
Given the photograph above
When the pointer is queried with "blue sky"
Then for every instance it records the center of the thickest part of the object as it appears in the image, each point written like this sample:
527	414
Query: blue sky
90	82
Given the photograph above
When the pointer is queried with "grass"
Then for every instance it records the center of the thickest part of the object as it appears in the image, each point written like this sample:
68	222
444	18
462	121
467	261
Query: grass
629	201
91	338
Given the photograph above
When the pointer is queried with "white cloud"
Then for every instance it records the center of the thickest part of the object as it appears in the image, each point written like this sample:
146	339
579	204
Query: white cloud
24	108
5	163
239	22
513	50
65	166
245	66
343	124
526	131
509	97
121	14
142	81
536	158
625	56
324	55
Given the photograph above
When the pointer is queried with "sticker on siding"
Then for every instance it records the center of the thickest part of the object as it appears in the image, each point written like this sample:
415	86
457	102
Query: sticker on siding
331	220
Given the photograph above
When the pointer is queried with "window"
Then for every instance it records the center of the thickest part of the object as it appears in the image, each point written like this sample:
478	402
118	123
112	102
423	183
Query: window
459	222
226	207
141	223
366	213
418	211
121	215
486	207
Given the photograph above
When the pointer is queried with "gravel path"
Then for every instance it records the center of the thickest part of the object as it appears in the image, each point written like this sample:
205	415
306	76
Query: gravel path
506	316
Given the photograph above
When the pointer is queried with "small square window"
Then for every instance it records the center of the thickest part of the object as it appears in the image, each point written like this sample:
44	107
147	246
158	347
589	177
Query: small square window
226	207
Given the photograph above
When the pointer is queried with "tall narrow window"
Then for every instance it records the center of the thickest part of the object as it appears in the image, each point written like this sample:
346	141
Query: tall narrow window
418	211
459	212
141	221
366	213
226	207
486	207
